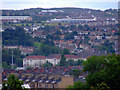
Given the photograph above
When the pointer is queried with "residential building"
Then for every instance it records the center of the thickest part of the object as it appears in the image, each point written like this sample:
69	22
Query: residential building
10	47
38	80
15	18
54	58
26	50
34	61
72	57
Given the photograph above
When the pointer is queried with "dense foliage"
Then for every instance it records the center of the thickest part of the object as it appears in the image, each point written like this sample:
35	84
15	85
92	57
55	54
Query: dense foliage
13	83
16	36
76	73
47	64
7	58
63	61
103	69
43	49
107	46
103	73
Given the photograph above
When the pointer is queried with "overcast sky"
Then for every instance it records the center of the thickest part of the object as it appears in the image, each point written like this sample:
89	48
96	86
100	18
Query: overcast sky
25	4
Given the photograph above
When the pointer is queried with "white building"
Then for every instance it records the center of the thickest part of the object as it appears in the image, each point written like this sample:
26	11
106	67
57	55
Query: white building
72	20
10	47
34	61
54	58
15	18
72	57
50	11
37	61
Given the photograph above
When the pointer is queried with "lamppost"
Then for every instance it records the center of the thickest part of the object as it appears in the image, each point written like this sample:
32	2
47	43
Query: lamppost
12	59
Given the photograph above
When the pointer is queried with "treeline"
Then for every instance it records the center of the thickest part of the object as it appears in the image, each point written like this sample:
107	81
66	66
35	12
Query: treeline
16	36
103	73
44	49
7	58
106	46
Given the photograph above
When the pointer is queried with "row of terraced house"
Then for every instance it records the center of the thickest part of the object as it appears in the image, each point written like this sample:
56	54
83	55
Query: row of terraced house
38	60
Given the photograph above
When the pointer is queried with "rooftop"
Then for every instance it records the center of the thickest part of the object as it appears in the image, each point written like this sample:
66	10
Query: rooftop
35	57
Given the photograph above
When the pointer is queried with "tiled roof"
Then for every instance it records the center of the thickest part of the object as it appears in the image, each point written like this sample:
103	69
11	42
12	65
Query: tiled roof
57	56
71	56
35	57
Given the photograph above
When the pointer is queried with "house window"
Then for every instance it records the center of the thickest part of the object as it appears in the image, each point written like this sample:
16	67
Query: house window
32	84
39	85
51	86
46	85
55	60
24	65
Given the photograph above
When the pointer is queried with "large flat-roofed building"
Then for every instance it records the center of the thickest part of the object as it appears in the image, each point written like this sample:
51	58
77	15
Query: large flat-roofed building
15	18
70	20
50	11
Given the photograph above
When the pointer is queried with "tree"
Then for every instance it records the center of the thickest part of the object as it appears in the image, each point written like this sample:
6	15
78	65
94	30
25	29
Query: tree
47	28
78	86
56	37
47	64
101	86
76	73
16	36
49	36
5	65
103	73
71	62
63	60
69	36
7	57
59	24
27	25
49	42
45	49
58	32
79	62
80	27
66	51
74	32
87	27
108	46
73	27
13	83
103	69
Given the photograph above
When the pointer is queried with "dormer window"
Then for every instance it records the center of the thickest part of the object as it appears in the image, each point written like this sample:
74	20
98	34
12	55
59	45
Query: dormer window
31	60
54	59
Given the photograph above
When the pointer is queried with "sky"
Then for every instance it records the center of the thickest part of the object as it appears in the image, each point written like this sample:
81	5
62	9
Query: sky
25	4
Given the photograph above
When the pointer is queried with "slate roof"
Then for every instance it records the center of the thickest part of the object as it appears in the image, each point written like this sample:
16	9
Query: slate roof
38	79
57	56
25	78
33	57
71	56
58	80
50	80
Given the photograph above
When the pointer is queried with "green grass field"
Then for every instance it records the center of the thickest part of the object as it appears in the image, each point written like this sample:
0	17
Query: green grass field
20	24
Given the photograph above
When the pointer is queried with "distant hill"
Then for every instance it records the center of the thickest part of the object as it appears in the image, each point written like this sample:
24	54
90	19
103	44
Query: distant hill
69	11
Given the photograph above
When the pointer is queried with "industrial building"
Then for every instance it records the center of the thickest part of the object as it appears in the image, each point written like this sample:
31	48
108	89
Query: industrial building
70	20
15	19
